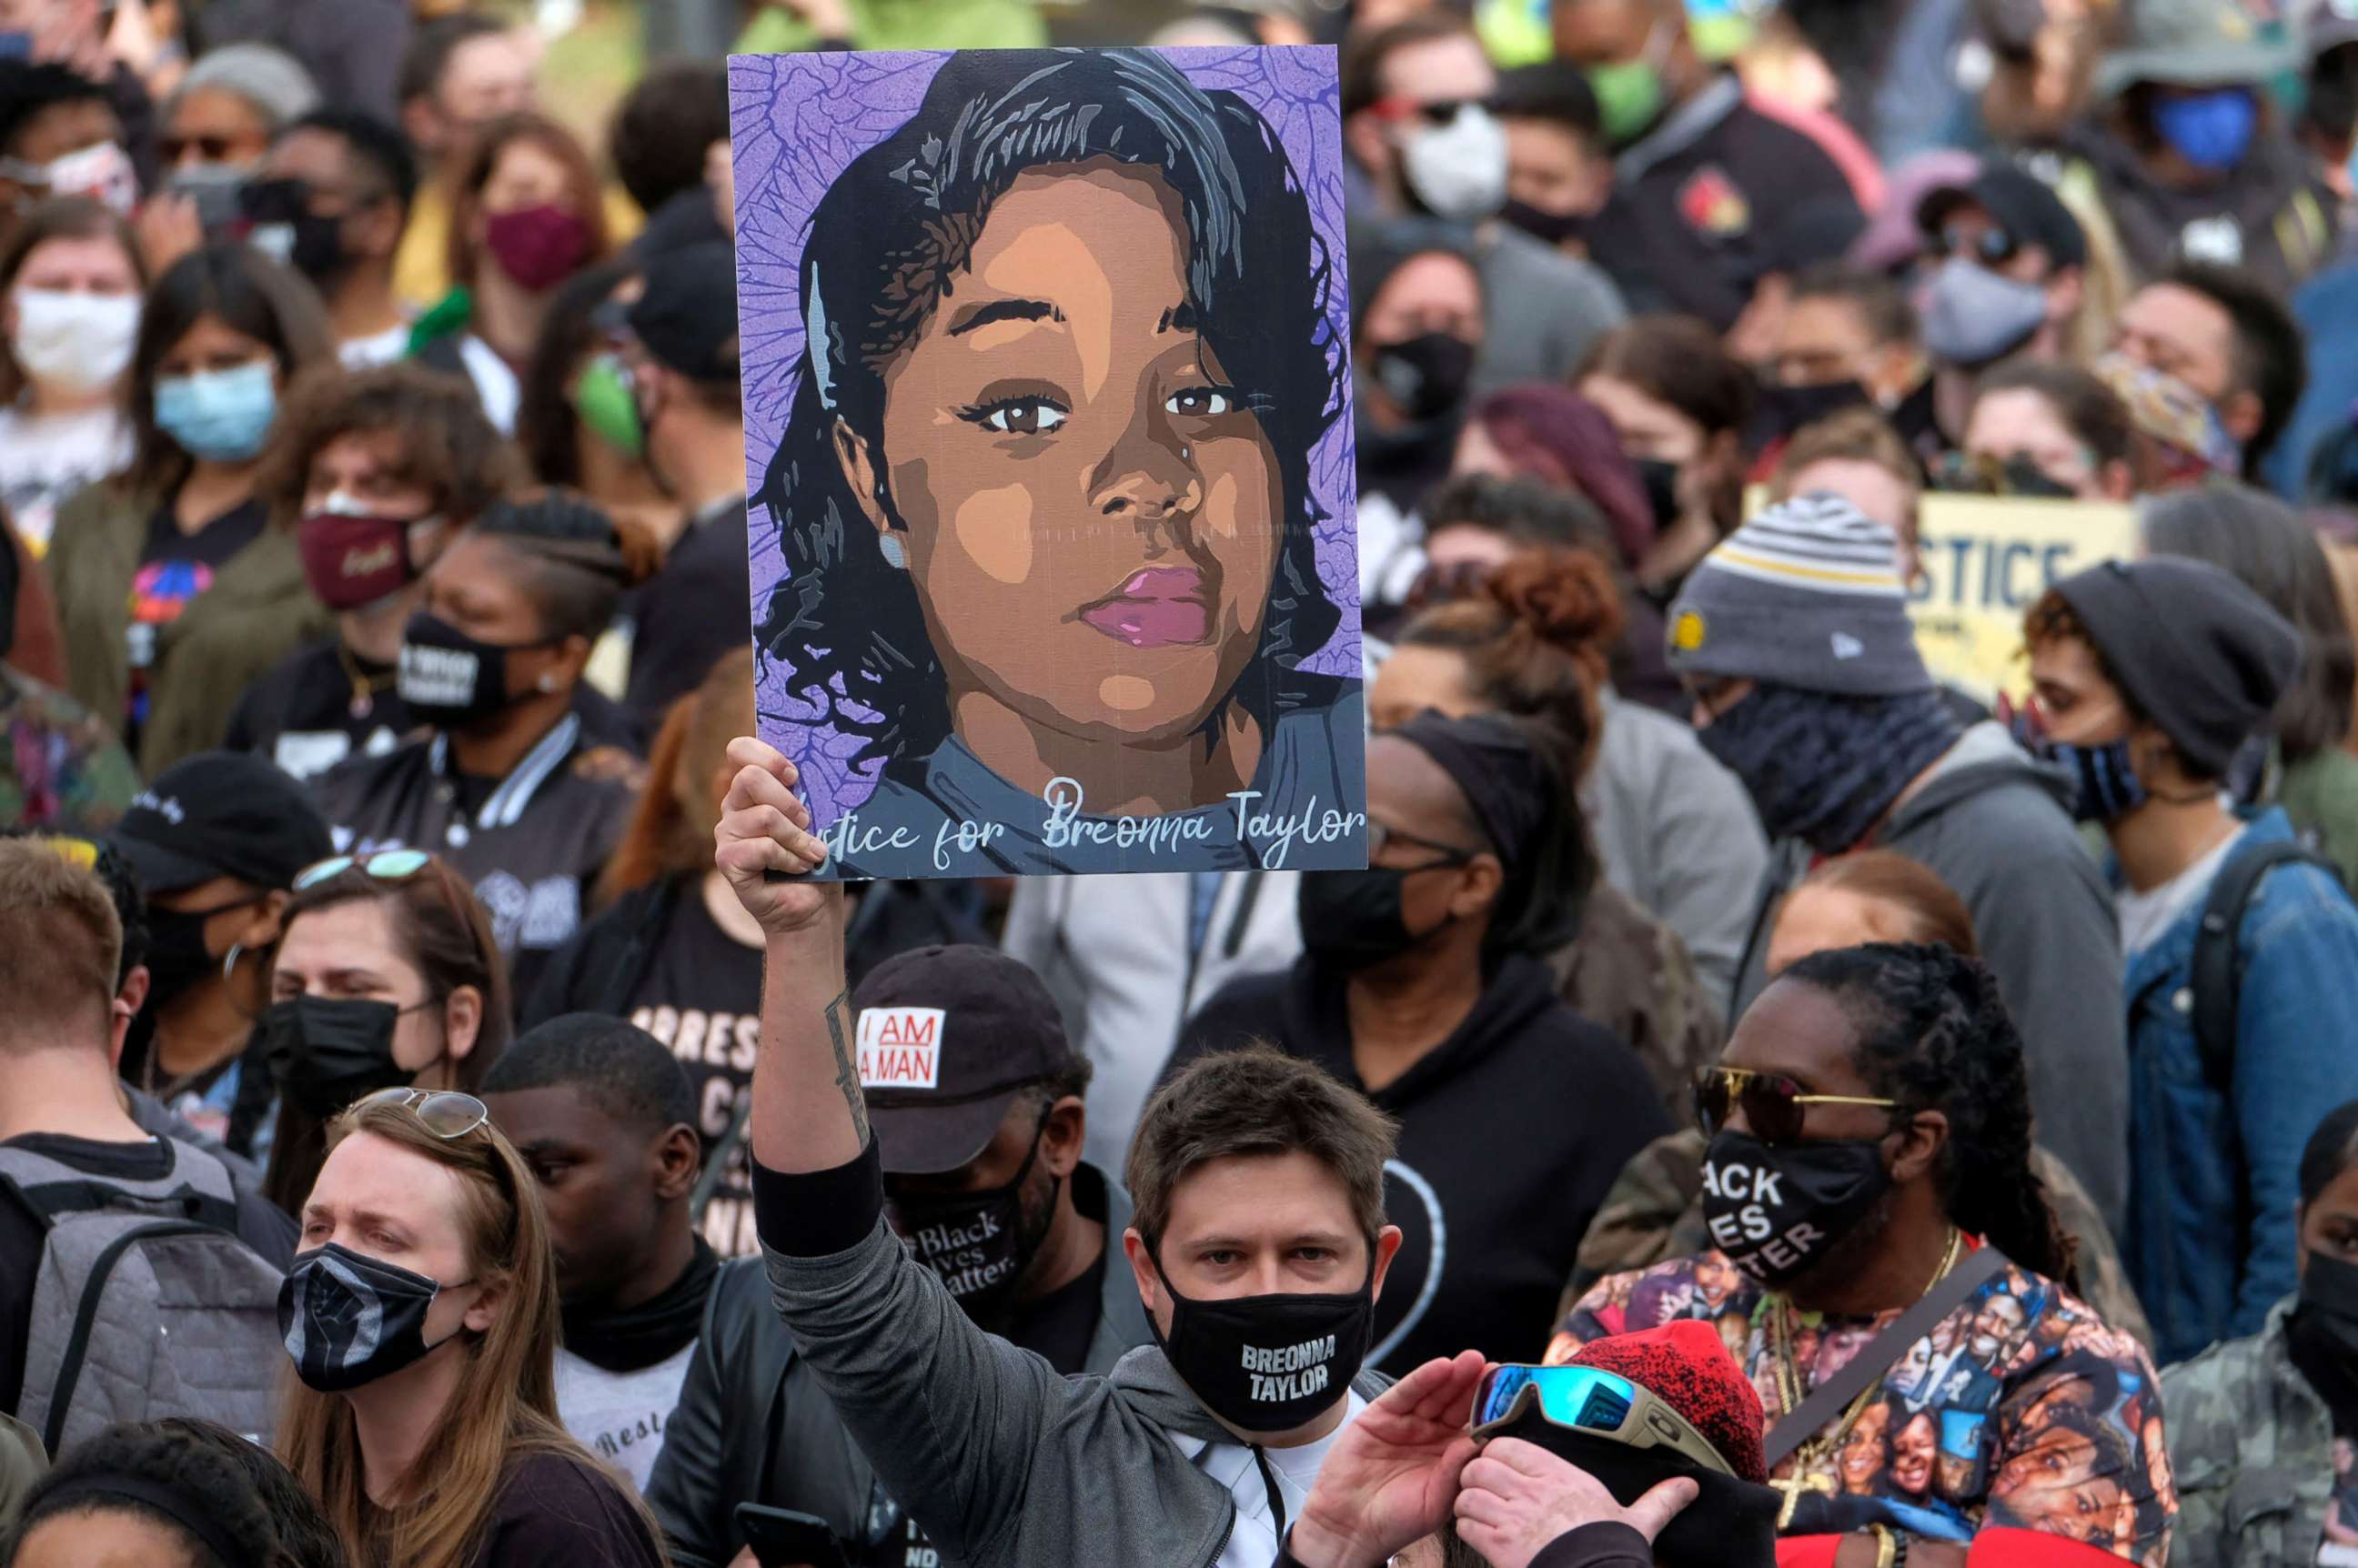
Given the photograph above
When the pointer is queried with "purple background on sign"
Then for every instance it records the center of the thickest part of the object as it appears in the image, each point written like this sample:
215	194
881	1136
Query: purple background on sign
795	123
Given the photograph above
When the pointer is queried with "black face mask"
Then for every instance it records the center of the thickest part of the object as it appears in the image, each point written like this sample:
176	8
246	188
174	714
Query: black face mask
177	955
1784	410
449	679
1426	375
349	1319
2322	1335
1269	1363
325	1052
1353	920
980	1243
1552	228
318	248
1662	482
1776	1211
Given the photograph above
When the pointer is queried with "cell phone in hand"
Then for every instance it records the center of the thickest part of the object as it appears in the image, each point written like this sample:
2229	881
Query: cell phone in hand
782	1538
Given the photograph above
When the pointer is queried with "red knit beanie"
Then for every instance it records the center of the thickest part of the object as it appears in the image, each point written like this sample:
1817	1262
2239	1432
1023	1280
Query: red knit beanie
1686	1365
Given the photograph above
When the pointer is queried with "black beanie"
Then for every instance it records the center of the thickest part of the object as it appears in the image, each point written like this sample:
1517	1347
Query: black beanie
2190	647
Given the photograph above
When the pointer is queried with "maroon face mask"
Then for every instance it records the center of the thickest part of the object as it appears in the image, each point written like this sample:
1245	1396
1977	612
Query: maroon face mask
539	247
350	561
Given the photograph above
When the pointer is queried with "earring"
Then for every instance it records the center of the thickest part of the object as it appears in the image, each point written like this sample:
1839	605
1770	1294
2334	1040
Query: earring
894	555
229	962
547	681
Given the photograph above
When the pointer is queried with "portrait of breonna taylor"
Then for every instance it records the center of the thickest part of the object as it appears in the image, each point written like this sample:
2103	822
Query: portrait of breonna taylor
1048	442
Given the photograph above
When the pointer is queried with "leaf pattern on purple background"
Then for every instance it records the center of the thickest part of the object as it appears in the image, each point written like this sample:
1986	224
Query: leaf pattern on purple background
797	121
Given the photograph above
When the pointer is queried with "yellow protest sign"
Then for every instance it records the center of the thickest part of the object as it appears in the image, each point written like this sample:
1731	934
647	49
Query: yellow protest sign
1984	561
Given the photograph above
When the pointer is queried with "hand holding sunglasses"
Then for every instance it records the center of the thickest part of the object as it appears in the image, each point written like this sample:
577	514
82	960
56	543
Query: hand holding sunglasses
1590	1400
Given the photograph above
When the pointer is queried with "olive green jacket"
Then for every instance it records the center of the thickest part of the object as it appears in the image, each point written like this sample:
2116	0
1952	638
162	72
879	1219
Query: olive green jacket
258	611
2252	1446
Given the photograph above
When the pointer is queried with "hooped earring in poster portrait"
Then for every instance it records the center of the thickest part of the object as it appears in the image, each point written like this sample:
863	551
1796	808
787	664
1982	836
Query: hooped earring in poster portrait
1048	441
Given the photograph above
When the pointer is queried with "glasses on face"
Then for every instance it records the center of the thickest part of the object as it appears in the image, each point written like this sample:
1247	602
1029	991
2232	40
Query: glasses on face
209	149
1588	1399
1990	247
1438	111
445	1113
1379	835
385	866
1774	1106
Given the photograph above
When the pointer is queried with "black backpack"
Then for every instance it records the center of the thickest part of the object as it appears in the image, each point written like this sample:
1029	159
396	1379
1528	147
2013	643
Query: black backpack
2218	963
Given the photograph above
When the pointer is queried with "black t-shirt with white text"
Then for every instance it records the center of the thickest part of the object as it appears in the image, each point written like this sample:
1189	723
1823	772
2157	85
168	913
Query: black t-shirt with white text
701	995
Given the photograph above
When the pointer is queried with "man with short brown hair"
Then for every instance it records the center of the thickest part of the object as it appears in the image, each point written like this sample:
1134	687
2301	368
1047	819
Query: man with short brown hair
63	1109
1259	1252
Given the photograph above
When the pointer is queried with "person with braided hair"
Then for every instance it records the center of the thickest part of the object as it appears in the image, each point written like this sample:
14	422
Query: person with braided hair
1870	1134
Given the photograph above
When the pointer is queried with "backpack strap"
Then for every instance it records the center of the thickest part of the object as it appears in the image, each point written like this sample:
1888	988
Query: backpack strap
94	1291
2217	971
196	1186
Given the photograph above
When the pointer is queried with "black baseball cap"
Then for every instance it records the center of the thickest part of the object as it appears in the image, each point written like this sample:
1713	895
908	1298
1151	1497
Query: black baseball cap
220	814
2019	203
685	314
947	1037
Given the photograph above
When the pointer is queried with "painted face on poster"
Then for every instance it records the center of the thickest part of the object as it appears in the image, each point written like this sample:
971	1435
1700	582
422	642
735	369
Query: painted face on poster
1048	441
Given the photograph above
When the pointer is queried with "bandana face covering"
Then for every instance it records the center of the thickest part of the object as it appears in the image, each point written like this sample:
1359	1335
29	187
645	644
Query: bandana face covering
1776	1210
1824	769
349	1319
1267	1363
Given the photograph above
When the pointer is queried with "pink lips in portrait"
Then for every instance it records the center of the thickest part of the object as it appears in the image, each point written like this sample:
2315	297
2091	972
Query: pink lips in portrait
1158	607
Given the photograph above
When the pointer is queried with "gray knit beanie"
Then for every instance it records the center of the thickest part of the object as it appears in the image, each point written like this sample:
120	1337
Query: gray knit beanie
271	80
1807	595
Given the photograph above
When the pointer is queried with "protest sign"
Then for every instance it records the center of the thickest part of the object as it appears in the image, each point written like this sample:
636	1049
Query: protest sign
1048	441
1984	560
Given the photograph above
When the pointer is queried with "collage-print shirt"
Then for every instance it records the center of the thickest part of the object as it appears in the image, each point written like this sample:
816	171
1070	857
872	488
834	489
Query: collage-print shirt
2020	1408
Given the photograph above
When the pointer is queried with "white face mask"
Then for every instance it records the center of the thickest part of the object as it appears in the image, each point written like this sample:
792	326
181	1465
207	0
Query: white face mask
101	171
76	343
1458	170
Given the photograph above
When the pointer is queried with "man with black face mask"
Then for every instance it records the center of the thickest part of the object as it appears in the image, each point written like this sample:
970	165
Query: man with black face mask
2284	1402
216	841
603	1115
977	1100
1793	639
1927	1366
1421	985
1416	337
338	184
2148	677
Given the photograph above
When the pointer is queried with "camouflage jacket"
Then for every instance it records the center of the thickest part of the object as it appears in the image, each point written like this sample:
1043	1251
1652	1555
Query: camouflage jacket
1654	1213
62	770
2253	1449
1630	973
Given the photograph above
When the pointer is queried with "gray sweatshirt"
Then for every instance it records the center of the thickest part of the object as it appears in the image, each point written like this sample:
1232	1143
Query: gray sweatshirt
1003	1463
1994	825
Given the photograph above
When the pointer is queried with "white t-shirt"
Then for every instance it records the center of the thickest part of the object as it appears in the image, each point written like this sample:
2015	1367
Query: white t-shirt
2146	915
1254	1543
620	1416
377	349
43	461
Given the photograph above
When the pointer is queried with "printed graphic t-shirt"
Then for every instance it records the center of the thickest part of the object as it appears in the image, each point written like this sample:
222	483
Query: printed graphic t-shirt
620	1416
175	569
45	459
2021	1409
702	996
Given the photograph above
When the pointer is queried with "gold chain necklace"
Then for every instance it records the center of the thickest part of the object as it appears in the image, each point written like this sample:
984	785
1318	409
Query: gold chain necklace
364	686
1789	1388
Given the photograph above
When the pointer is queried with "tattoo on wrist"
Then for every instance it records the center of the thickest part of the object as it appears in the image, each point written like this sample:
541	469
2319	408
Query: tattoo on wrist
846	1068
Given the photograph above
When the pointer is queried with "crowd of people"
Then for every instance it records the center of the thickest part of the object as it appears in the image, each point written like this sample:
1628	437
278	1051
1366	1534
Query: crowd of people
1761	1104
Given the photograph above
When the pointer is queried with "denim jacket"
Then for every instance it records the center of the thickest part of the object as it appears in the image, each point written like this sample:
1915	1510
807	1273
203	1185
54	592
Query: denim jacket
2210	1243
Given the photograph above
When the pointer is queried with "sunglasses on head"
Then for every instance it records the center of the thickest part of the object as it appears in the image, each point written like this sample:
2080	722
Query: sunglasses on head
1774	1106
445	1113
385	866
1591	1399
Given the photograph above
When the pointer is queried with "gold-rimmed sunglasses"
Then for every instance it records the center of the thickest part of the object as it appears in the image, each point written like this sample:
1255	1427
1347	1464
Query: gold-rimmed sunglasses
1774	1106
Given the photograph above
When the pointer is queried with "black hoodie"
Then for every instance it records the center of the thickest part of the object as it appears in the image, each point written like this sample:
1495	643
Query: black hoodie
1511	1132
2272	215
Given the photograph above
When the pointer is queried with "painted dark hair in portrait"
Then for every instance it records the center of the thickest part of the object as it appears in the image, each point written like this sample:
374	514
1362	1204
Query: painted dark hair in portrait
1043	500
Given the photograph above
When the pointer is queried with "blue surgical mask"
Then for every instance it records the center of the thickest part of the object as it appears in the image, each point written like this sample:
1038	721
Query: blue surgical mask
220	415
2210	130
